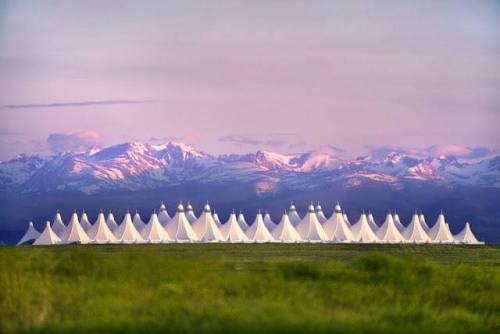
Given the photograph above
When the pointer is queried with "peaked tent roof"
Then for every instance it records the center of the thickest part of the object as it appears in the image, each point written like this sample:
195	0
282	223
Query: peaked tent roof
310	229
163	215
74	232
414	232
424	223
217	221
258	231
346	219
232	232
30	236
179	227
100	233
242	222
137	221
153	231
440	232
127	233
371	222
205	227
111	222
293	215
319	214
397	222
467	237
270	225
336	228
388	232
47	237
362	231
285	232
58	226
191	217
85	222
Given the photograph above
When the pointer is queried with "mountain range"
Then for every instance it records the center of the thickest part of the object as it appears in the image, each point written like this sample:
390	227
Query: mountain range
137	174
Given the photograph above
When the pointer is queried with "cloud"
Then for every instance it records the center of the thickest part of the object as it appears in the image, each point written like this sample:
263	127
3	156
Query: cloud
75	104
8	132
272	140
242	140
458	151
74	141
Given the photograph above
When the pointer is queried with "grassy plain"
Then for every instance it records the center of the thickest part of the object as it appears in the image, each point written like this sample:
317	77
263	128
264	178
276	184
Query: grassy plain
250	288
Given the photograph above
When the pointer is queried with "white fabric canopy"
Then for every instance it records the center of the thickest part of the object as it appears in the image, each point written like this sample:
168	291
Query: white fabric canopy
85	222
285	232
388	232
138	222
47	237
74	232
467	237
179	227
336	228
242	222
100	233
362	232
320	215
127	233
163	215
153	232
397	222
205	227
232	232
30	236
414	232
440	232
424	223
57	225
293	215
111	222
258	231
310	229
217	221
191	217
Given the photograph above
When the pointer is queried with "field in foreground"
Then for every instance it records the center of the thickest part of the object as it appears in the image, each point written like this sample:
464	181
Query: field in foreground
250	288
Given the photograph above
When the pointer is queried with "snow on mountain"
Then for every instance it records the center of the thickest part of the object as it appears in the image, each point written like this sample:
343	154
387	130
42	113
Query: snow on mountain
137	165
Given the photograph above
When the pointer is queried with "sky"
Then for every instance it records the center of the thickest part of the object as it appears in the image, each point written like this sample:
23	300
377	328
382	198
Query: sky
237	76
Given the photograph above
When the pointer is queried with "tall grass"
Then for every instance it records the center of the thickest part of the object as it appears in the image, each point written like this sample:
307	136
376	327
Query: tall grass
250	288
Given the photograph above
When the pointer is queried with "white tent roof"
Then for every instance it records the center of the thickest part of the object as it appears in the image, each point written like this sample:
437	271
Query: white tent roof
217	221
285	232
153	231
179	227
293	215
388	232
258	231
346	219
414	231
126	232
100	233
137	221
191	217
74	232
30	236
111	222
424	223
440	232
467	237
205	227
319	214
47	237
85	222
242	222
232	232
362	231
270	225
371	222
397	222
163	215
310	229
336	228
57	225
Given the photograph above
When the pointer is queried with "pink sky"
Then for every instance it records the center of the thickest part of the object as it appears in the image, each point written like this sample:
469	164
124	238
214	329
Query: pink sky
239	76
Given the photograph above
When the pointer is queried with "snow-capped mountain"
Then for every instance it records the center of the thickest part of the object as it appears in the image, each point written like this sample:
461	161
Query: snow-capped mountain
137	165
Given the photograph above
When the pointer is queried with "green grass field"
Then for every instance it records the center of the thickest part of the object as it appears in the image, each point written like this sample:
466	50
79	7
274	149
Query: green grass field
250	288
